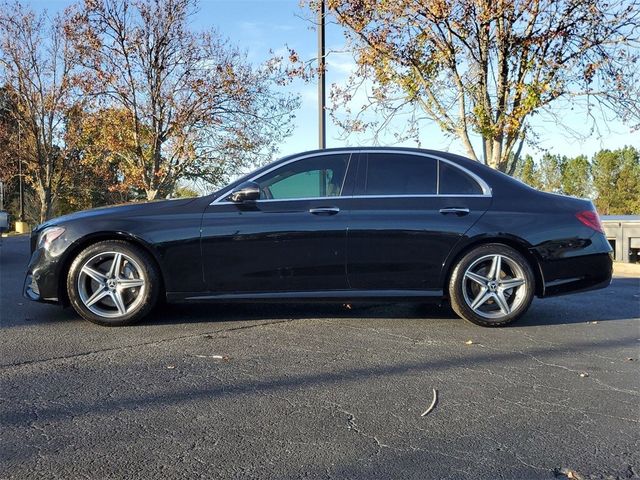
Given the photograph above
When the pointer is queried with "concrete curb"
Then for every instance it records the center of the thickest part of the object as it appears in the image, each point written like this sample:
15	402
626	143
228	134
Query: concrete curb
13	234
626	269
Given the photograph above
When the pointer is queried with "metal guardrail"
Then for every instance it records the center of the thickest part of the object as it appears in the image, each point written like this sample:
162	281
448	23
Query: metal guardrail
623	233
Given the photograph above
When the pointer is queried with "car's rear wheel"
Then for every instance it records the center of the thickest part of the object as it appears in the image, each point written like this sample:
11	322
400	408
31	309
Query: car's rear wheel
492	285
113	283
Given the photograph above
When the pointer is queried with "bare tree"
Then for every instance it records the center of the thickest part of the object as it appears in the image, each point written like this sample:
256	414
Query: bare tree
38	68
483	68
195	107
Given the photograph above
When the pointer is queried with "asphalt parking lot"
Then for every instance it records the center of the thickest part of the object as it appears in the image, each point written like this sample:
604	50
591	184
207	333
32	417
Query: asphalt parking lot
319	391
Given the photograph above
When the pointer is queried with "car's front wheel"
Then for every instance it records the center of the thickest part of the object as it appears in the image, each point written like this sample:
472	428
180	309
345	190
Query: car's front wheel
492	285
113	283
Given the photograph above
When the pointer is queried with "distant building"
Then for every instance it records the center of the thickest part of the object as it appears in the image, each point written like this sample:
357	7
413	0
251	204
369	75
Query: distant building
623	233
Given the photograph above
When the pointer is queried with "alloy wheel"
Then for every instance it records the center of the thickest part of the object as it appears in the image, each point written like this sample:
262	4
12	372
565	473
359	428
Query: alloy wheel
111	284
494	285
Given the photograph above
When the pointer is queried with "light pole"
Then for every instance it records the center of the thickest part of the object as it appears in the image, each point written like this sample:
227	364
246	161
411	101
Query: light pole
21	216
322	134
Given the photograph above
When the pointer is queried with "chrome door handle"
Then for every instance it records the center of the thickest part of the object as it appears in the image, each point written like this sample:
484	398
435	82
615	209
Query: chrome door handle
456	210
324	210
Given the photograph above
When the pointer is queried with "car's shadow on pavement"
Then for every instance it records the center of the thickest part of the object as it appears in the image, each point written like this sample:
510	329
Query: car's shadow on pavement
618	302
226	312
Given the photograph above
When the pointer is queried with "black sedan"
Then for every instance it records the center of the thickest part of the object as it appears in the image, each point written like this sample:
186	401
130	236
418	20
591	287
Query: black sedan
340	225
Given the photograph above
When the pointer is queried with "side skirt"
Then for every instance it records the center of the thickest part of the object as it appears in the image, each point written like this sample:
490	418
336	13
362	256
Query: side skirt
316	296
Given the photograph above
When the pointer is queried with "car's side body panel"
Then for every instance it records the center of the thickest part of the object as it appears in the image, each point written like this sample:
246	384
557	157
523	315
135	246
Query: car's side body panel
319	296
275	246
569	256
169	230
402	243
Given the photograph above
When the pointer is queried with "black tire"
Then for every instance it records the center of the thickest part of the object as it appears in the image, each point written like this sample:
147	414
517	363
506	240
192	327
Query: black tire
144	297
465	291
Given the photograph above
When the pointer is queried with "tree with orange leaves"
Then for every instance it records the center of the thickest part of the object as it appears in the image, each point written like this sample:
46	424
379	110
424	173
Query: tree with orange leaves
481	69
186	104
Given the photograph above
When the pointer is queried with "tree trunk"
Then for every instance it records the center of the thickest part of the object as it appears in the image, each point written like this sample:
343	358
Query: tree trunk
151	194
46	199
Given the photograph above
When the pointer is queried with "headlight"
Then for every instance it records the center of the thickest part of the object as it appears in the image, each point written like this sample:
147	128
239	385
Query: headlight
48	235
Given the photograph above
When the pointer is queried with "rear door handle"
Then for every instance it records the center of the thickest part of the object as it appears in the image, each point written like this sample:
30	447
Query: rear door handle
455	210
324	210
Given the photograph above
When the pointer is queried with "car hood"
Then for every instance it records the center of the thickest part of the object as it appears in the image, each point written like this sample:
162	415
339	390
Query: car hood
115	211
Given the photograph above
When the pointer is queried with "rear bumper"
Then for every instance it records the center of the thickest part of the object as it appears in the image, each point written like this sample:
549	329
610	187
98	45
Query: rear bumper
577	274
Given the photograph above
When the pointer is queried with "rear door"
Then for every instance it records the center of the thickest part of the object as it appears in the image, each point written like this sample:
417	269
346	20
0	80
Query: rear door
408	212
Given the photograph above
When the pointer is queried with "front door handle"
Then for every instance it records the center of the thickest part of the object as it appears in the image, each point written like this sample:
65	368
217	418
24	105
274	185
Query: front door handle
324	210
455	210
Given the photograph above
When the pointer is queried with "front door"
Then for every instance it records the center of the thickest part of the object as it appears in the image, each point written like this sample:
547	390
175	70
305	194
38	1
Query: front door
293	239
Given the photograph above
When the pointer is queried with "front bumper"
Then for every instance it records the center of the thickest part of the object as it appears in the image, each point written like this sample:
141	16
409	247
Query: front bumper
41	283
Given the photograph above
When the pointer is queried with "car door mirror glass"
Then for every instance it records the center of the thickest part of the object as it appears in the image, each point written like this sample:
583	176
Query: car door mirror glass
245	192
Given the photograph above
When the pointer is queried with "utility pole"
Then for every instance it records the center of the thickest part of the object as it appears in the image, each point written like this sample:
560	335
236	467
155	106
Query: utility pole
21	216
322	123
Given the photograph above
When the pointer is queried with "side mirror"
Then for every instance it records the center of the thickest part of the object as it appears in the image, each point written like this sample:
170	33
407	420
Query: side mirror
245	192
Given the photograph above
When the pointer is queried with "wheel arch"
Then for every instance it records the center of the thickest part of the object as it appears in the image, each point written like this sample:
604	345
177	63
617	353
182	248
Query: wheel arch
518	244
72	252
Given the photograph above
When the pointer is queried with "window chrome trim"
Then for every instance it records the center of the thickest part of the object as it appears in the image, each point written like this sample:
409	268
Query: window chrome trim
347	197
483	185
424	195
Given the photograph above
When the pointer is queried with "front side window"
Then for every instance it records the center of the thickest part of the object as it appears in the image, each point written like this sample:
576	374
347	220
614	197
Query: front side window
321	176
397	174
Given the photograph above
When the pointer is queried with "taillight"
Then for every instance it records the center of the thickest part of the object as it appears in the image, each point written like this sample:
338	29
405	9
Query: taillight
590	219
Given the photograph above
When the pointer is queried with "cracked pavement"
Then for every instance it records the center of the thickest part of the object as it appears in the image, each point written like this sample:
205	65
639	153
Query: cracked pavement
319	391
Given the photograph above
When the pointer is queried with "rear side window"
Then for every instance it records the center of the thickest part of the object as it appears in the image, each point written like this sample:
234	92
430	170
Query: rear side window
396	174
454	181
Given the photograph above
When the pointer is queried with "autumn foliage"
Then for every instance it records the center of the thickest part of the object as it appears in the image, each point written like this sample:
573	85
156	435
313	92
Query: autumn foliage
121	99
481	69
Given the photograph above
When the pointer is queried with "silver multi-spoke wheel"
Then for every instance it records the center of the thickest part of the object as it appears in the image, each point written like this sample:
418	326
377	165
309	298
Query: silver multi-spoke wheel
493	286
111	284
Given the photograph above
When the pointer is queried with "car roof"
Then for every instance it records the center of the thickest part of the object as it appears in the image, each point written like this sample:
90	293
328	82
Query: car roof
382	149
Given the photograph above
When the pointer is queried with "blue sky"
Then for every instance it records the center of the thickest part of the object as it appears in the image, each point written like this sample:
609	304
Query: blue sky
261	26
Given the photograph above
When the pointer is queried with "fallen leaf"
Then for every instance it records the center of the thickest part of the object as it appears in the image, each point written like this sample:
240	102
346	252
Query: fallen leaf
572	474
